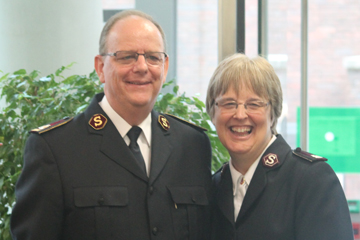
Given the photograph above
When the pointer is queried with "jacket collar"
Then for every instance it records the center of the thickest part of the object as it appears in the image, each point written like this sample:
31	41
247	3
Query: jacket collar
161	145
224	196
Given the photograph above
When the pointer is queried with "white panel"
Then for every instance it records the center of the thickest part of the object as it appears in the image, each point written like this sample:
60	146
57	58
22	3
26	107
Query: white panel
45	35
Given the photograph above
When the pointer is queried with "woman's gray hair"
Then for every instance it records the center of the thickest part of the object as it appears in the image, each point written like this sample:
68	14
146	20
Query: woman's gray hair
256	74
122	15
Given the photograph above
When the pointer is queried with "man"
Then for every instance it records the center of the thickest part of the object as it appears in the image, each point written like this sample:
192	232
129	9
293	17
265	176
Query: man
84	178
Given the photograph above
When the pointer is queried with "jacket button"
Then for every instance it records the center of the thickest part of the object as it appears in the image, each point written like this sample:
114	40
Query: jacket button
101	201
154	230
151	190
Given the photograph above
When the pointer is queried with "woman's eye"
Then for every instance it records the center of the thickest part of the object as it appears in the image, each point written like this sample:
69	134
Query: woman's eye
253	105
230	105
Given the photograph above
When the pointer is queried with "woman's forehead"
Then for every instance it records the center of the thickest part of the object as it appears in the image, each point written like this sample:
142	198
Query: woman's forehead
238	88
245	92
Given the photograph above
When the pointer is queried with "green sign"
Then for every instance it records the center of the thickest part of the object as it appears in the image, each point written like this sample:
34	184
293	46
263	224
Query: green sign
334	133
354	206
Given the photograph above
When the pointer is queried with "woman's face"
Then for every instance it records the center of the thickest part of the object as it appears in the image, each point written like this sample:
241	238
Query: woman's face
245	135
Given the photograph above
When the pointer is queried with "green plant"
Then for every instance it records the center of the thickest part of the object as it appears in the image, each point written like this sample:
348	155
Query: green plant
32	101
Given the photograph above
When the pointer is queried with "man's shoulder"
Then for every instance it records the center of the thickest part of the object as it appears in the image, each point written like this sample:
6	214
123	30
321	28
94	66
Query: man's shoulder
221	172
51	126
64	126
71	123
183	122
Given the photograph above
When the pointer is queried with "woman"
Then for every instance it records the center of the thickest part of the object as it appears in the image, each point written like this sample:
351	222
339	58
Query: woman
267	191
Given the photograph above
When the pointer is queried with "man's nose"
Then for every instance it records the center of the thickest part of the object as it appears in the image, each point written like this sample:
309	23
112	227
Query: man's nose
141	63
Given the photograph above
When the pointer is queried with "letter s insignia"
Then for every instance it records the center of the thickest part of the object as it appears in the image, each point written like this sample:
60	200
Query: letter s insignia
98	121
270	160
164	122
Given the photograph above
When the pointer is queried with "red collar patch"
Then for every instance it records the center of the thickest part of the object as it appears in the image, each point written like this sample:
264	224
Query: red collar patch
164	122
270	160
98	121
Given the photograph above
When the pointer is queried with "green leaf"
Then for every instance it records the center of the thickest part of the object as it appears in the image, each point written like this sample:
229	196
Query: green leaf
34	74
59	71
167	83
20	72
4	77
176	89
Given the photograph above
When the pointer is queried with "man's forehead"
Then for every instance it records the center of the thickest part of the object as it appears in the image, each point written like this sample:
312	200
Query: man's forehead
135	25
135	21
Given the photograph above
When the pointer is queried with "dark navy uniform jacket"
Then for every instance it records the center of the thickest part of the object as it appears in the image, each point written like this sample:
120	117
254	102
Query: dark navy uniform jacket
79	183
298	198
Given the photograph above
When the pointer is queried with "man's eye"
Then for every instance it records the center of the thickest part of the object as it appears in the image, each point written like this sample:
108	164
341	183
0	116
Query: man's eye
126	57
153	58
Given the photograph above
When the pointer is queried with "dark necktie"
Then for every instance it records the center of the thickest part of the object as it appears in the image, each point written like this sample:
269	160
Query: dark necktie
133	134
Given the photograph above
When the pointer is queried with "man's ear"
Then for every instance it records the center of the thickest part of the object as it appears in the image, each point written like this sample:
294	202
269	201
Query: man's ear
166	67
99	67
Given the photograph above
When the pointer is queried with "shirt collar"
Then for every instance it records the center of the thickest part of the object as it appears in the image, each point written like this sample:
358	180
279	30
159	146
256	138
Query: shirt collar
235	175
121	125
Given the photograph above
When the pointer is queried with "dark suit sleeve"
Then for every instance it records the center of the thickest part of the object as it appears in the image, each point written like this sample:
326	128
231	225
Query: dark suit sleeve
322	211
207	220
38	212
208	152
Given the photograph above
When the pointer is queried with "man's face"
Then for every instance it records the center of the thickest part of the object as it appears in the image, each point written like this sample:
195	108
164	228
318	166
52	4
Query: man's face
132	87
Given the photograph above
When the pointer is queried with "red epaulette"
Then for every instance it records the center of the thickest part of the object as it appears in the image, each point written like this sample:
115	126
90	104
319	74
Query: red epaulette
308	156
51	126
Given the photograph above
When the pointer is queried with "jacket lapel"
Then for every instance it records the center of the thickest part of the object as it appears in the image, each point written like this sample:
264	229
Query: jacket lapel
224	195
257	185
260	178
112	144
161	147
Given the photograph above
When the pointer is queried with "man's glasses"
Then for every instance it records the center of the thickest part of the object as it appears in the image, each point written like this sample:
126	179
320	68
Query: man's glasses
230	106
129	58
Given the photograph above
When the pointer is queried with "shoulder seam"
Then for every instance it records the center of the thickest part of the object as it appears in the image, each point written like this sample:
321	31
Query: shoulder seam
51	126
308	156
186	122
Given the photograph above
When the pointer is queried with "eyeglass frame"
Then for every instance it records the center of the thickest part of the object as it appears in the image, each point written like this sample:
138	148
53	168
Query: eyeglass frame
236	104
137	56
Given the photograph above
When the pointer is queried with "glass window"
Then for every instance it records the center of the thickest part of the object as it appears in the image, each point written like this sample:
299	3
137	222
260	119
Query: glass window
251	28
197	45
334	87
333	79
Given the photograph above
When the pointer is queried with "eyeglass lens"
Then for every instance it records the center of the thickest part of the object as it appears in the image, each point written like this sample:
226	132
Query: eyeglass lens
250	107
128	58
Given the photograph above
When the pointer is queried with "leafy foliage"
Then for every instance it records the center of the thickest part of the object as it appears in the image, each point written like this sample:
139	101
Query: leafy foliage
33	101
